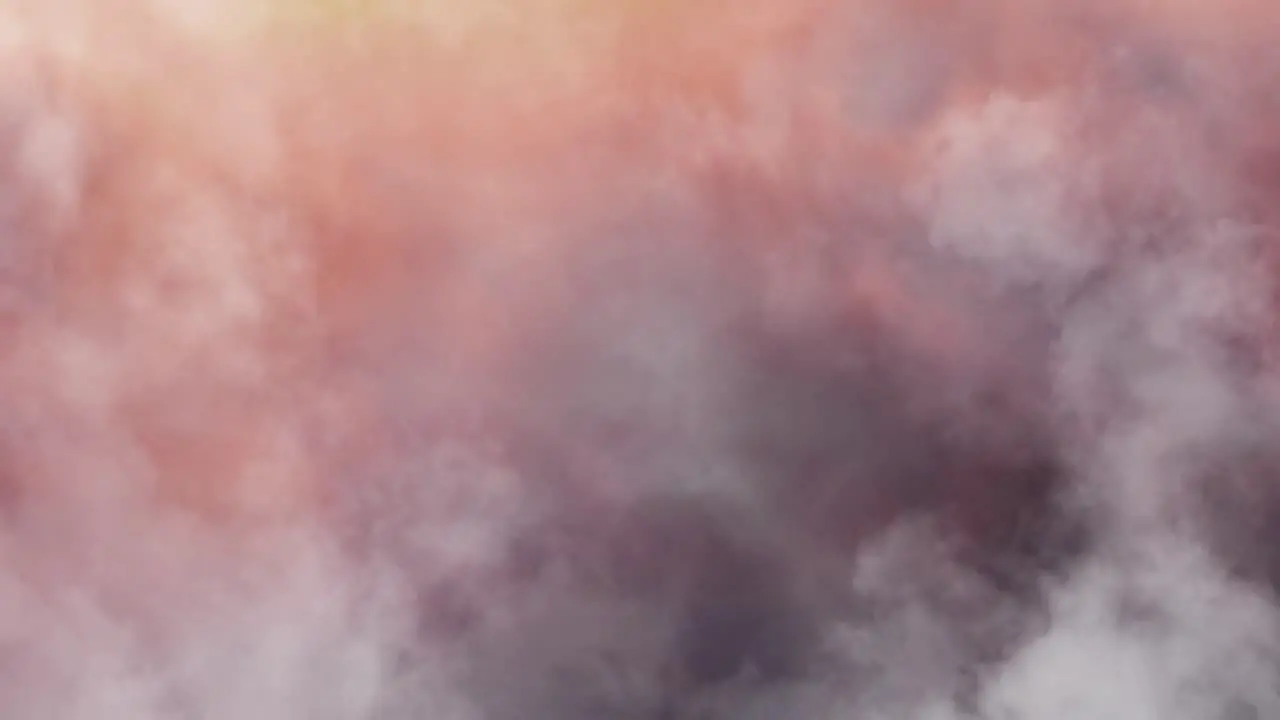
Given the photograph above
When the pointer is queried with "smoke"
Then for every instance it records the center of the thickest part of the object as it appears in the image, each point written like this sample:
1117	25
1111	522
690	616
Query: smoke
497	361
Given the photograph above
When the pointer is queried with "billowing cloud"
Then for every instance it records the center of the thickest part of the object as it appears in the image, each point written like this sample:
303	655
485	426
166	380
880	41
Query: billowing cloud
493	360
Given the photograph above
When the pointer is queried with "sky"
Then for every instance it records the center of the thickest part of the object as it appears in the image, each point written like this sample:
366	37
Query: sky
608	359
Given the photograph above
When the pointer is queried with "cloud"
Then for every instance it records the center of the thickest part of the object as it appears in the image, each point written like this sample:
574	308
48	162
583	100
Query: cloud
807	360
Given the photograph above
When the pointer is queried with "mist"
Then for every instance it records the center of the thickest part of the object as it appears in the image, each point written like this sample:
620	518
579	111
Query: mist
546	360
